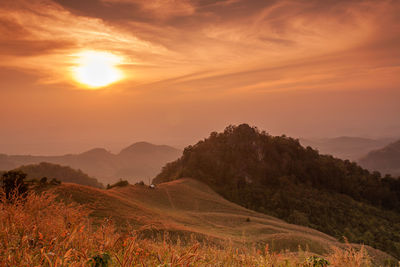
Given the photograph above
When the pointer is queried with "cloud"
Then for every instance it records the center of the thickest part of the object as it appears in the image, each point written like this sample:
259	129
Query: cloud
11	30
167	39
32	47
42	36
160	9
290	66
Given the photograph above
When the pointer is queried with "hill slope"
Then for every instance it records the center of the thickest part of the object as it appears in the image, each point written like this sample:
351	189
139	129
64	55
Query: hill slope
277	176
345	147
385	160
139	161
61	173
185	207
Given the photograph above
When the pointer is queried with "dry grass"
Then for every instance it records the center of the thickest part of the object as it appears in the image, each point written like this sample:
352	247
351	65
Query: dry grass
39	231
187	206
350	257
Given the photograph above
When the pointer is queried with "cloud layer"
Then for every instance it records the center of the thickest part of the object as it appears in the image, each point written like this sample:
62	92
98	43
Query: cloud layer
167	39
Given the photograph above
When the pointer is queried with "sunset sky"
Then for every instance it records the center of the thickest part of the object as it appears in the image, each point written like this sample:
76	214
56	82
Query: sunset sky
184	68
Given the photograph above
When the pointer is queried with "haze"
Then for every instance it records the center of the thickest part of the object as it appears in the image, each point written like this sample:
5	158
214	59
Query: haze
300	68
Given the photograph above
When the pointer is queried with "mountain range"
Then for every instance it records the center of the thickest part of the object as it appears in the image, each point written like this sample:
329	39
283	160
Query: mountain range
346	147
385	160
140	161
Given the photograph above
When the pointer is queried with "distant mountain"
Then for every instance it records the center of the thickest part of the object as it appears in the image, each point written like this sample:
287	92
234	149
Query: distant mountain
61	173
345	147
277	176
139	161
144	160
385	160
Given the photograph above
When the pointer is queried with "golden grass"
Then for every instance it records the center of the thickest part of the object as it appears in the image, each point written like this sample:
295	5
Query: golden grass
189	206
40	231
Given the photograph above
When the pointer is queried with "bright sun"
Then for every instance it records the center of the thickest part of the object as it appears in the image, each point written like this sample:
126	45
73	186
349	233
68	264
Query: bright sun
97	69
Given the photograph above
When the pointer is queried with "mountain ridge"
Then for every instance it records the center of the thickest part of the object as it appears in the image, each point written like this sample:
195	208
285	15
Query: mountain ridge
345	147
385	160
136	162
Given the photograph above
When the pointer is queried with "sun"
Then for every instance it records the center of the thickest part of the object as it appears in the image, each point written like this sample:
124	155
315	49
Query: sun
97	69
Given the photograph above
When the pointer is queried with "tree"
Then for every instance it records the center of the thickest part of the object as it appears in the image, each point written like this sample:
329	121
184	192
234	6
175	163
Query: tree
43	181
13	184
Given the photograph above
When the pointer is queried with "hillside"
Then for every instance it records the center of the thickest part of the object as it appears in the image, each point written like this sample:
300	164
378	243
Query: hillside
61	173
187	207
277	176
345	147
385	160
139	161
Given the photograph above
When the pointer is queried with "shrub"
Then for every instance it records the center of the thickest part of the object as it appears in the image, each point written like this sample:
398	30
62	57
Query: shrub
120	183
13	184
101	260
43	181
315	261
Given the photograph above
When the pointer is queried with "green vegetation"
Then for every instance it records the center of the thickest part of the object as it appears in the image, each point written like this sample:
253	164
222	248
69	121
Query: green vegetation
60	173
277	176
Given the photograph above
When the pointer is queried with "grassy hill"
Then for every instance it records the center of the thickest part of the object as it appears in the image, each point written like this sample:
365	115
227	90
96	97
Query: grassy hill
139	161
185	208
385	160
61	173
179	223
279	177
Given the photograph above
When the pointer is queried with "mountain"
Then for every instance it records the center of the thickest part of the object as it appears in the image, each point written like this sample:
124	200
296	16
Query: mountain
188	209
345	147
139	161
279	177
144	160
61	173
385	160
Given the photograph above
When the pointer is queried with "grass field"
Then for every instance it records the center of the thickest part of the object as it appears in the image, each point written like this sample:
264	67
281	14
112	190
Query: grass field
180	223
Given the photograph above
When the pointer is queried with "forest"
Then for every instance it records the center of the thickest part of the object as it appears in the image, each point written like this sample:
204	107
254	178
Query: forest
62	173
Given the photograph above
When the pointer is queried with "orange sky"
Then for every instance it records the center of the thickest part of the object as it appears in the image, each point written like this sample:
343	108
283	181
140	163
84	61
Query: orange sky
304	68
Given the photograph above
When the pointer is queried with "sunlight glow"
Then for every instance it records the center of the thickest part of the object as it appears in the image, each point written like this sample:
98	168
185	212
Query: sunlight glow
97	69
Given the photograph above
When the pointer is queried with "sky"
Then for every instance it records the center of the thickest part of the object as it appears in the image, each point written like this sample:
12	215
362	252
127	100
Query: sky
304	68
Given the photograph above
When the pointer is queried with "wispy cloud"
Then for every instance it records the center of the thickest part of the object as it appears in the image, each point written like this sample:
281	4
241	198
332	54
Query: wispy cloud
164	40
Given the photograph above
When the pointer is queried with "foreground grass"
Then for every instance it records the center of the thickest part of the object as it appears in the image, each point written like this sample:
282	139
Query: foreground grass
40	231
